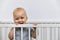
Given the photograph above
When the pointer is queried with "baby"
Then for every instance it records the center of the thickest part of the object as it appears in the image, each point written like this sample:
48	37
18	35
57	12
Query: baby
20	17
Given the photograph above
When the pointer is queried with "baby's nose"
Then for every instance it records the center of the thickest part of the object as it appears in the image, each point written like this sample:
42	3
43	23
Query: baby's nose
20	19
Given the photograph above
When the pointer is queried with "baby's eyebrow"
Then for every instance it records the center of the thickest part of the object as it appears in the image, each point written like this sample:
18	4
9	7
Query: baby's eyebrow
16	17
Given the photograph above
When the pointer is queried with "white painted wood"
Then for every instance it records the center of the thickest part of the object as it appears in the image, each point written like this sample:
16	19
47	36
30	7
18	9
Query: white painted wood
56	34
48	33
21	33
29	33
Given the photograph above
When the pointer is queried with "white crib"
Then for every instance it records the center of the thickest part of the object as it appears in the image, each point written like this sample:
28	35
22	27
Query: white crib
45	30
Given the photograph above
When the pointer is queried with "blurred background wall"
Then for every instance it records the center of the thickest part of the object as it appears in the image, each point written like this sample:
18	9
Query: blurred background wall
37	10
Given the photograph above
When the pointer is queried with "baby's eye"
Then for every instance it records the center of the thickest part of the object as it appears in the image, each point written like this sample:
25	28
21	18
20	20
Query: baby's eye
22	17
17	18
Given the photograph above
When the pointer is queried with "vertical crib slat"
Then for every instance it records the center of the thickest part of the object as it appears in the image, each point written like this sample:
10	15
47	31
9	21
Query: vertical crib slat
29	33
56	33
3	33
59	33
45	33
53	33
48	33
0	33
39	34
21	33
42	33
36	34
14	33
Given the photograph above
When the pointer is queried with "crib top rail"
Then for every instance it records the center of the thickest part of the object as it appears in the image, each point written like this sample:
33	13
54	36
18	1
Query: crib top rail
30	25
32	22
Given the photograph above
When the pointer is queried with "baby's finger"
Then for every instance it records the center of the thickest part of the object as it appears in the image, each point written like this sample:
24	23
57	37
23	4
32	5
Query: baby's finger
35	23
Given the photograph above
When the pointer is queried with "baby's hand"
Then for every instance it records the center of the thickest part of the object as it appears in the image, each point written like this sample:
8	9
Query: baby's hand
34	31
11	34
35	24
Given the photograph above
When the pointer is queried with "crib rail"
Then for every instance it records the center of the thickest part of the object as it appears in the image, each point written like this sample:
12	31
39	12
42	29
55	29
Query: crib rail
45	31
30	25
31	22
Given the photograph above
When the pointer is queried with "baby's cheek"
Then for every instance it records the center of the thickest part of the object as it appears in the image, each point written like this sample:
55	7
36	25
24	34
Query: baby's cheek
24	20
16	21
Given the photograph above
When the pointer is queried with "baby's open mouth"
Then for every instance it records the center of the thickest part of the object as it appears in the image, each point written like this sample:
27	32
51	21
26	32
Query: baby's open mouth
21	22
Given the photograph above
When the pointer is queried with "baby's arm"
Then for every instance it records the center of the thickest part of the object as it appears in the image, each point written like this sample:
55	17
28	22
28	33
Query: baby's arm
34	33
11	34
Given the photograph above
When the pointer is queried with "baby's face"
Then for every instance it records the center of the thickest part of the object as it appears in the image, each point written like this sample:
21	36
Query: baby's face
20	17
